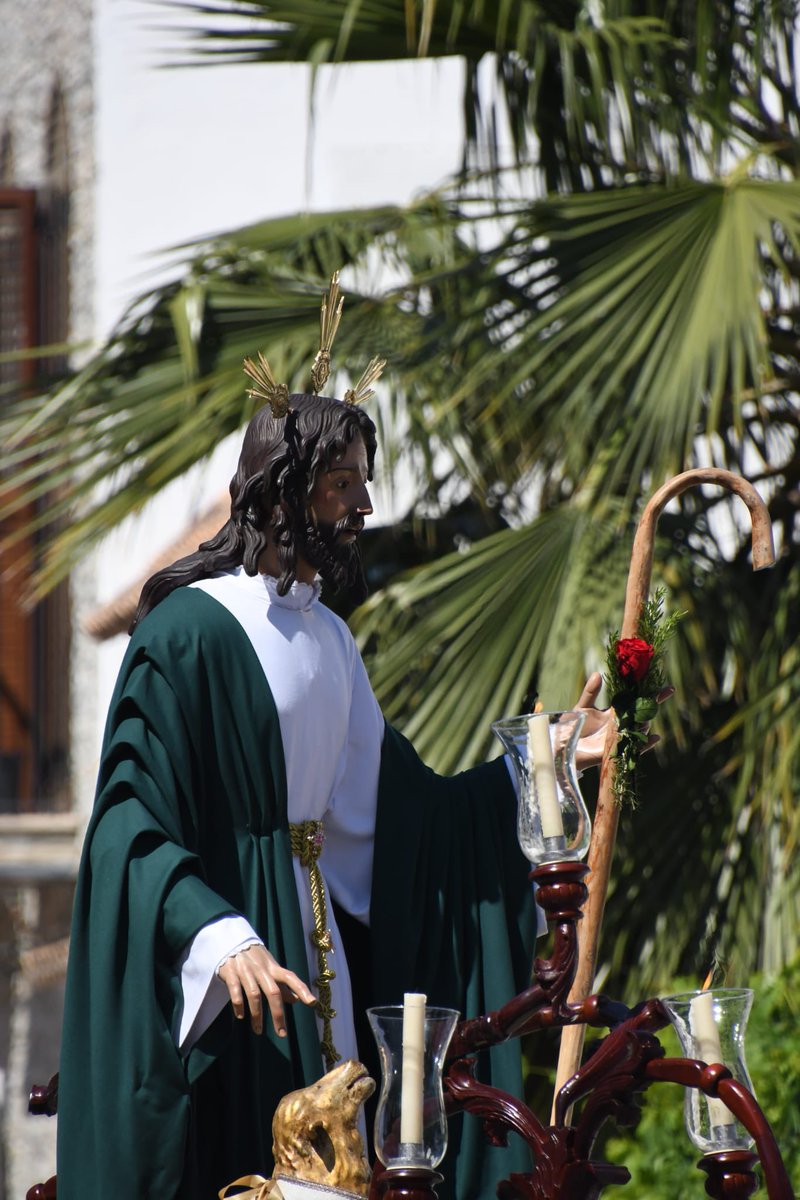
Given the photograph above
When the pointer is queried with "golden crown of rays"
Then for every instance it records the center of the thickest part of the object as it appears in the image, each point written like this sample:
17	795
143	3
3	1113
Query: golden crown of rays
277	394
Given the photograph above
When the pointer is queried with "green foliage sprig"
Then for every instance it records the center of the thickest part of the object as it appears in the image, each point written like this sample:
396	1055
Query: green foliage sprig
634	678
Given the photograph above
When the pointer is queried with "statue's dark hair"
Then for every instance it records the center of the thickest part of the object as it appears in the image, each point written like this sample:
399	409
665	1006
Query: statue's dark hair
278	466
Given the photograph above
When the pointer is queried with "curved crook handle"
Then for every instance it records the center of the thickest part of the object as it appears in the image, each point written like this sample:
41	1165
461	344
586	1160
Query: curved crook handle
604	831
644	542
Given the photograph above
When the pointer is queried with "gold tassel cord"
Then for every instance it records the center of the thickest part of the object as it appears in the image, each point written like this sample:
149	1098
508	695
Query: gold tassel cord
307	839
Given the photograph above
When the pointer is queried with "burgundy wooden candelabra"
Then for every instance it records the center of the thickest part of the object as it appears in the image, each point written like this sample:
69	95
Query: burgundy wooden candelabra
621	1066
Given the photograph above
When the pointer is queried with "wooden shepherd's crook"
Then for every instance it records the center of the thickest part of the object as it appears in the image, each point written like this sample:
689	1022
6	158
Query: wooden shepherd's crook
604	832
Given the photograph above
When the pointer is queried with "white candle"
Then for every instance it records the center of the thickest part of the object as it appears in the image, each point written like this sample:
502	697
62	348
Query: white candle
706	1035
543	776
413	1056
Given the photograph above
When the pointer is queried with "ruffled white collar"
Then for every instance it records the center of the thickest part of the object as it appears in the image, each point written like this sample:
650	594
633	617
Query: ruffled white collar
300	596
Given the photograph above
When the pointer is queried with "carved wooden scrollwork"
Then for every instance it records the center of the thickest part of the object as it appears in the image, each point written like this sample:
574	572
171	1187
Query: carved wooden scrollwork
606	1086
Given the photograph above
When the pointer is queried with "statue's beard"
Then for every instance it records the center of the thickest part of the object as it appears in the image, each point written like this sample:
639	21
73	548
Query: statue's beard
338	561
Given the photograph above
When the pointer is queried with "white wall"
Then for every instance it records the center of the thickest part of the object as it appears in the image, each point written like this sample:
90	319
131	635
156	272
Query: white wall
184	153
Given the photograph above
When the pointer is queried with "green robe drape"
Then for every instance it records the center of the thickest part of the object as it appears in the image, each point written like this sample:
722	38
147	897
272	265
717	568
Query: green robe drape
190	824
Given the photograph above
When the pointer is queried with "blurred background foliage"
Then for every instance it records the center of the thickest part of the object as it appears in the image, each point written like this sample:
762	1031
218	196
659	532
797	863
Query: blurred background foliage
607	294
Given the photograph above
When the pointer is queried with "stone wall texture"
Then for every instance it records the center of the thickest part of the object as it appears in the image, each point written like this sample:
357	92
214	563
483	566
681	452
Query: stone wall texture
45	46
46	141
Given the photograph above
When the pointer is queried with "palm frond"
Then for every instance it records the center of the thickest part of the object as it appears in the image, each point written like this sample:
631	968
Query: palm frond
456	644
652	294
169	385
593	341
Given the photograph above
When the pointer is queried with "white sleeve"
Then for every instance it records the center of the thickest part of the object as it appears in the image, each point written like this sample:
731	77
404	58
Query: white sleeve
204	993
346	859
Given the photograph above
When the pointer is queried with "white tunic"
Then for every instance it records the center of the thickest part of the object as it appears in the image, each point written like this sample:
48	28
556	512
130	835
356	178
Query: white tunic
332	729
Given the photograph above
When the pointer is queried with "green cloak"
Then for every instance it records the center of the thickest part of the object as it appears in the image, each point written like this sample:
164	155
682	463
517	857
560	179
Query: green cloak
190	824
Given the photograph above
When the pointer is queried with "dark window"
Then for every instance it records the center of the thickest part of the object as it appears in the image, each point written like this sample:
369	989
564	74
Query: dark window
34	642
6	157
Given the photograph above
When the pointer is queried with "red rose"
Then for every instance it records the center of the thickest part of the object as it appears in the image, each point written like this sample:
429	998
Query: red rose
633	658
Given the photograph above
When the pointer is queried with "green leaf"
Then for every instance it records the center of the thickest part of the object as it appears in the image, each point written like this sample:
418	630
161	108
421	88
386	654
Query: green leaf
644	710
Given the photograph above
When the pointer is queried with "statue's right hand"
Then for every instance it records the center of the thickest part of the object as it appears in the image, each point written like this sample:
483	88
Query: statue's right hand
253	973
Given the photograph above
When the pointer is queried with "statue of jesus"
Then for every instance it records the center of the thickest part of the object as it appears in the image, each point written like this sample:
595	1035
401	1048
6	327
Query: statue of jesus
248	784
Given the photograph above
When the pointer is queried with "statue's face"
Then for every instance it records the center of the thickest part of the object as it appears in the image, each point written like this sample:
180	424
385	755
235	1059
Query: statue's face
339	498
338	505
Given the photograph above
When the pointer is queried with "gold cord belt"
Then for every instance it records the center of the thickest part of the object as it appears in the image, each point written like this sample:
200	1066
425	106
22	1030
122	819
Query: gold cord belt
307	838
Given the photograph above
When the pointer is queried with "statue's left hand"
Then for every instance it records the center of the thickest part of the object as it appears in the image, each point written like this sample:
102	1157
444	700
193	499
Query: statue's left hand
593	735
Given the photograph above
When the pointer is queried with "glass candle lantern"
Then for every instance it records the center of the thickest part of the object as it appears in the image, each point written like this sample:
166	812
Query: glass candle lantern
552	823
427	1117
711	1026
